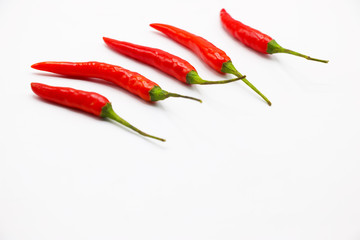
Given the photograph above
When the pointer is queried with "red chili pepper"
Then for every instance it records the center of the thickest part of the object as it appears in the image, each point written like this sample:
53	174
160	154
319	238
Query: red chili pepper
256	39
90	102
209	53
131	81
166	62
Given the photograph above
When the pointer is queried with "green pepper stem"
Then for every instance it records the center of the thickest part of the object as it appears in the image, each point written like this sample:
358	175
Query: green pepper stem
207	82
228	67
193	78
254	88
169	94
274	47
156	94
288	51
108	112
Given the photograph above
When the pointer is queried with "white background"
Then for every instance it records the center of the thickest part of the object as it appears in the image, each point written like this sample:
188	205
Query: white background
232	167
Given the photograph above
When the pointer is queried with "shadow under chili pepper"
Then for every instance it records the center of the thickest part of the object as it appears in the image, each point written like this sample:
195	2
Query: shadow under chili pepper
99	81
295	73
97	119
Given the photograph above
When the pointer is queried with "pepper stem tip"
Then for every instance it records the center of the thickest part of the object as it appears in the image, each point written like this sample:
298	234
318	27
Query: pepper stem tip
193	78
228	67
169	94
274	47
156	94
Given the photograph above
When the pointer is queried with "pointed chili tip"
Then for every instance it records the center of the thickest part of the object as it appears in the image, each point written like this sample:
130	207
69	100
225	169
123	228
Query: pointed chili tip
223	12
40	65
155	25
106	39
34	85
35	66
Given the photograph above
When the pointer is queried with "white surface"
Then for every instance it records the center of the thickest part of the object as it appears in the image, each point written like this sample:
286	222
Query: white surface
232	167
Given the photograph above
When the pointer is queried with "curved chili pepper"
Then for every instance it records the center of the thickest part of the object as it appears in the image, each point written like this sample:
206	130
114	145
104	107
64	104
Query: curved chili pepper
131	81
256	39
166	62
209	53
90	102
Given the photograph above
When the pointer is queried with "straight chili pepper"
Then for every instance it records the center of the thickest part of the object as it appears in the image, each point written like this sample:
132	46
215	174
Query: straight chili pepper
256	39
209	53
90	102
131	81
166	62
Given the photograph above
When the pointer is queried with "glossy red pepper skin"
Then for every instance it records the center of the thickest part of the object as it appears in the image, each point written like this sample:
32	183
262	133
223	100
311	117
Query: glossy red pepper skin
131	81
90	102
207	51
247	35
166	62
255	39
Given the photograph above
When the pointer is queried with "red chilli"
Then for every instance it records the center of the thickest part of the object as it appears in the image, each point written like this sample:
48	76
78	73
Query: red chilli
256	39
164	61
90	102
209	53
131	81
